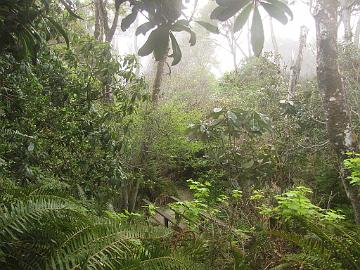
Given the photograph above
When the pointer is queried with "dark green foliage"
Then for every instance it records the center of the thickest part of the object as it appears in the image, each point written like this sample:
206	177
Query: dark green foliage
55	123
25	25
51	232
324	245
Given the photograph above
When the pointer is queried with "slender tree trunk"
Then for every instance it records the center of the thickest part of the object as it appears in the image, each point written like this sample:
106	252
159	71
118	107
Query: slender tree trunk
102	28
160	66
125	196
232	46
232	43
133	195
250	53
233	49
346	19
295	68
330	85
136	48
111	31
273	37
97	20
357	34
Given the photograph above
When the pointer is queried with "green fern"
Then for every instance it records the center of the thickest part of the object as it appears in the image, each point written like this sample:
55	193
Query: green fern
325	245
49	232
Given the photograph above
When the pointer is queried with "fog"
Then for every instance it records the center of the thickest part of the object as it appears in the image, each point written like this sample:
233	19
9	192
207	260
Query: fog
287	37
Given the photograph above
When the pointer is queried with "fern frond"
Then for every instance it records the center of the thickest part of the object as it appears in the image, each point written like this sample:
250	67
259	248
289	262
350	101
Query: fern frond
49	232
103	244
326	246
23	215
171	262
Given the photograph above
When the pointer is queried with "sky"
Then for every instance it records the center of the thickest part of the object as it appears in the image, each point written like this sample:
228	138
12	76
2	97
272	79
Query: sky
284	33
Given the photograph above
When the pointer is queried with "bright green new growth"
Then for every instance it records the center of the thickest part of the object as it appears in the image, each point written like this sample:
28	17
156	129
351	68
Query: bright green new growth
353	164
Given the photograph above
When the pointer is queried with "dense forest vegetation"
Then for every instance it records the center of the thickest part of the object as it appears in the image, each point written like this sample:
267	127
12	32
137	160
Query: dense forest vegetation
150	161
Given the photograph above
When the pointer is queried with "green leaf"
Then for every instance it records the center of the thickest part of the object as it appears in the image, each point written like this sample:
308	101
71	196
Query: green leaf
226	3
208	26
179	27
257	33
192	39
242	18
128	20
227	9
161	43
275	12
222	13
283	6
232	117
249	164
177	55
183	22
149	45
144	28
217	112
61	30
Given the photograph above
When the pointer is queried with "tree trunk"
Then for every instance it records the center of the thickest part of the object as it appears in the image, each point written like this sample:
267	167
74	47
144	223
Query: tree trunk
134	194
109	35
330	85
346	19
102	27
250	52
97	20
273	38
136	49
158	79
232	44
357	34
295	68
125	196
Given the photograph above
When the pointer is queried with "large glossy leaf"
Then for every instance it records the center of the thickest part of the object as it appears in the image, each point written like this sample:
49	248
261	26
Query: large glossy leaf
157	42
227	9
227	3
149	45
176	51
275	12
144	28
222	13
128	20
282	6
257	33
161	43
179	27
208	26
242	18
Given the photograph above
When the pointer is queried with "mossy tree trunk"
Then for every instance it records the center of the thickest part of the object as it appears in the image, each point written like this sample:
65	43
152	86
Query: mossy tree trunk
330	85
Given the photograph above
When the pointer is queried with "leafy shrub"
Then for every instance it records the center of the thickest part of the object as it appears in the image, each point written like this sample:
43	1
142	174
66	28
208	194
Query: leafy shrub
353	164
